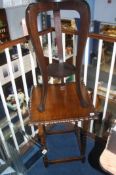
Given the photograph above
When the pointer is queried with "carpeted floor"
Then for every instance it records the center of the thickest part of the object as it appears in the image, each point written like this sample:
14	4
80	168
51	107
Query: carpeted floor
60	146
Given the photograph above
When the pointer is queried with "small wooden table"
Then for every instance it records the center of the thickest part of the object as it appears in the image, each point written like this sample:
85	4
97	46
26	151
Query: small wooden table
61	108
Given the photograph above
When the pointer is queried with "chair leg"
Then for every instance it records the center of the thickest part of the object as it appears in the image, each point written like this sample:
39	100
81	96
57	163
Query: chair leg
81	134
42	135
44	89
84	139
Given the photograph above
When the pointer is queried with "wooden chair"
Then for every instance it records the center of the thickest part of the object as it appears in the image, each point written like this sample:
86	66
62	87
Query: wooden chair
65	102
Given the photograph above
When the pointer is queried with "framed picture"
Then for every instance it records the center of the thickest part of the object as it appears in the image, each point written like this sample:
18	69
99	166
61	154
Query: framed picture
5	72
15	67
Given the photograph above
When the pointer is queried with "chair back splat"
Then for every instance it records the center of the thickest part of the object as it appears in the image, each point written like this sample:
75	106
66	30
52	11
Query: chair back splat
60	69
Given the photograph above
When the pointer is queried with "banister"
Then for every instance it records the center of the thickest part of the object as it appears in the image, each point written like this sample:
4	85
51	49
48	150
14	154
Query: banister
103	37
23	39
69	32
92	35
11	43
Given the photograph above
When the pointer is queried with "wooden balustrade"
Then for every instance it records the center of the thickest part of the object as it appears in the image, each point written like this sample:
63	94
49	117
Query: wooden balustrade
51	29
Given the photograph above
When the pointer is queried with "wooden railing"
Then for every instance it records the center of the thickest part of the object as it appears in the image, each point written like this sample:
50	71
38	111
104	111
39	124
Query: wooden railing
21	70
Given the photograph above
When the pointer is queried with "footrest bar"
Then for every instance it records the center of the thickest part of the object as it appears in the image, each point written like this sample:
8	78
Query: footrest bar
59	132
65	160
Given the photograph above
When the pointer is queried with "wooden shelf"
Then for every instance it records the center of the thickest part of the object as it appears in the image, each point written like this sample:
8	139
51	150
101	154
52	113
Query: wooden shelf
102	90
102	97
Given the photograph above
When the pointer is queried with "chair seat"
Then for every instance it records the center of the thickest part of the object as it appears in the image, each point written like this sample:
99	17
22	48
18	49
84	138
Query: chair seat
60	105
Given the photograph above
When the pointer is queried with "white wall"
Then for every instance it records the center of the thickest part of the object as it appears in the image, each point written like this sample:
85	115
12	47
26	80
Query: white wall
92	6
1	4
14	17
104	11
101	10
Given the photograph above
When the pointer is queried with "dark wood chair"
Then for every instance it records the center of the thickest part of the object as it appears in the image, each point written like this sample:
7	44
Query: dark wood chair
65	102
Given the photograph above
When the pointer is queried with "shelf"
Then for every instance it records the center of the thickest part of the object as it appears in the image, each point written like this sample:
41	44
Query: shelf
102	90
102	97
